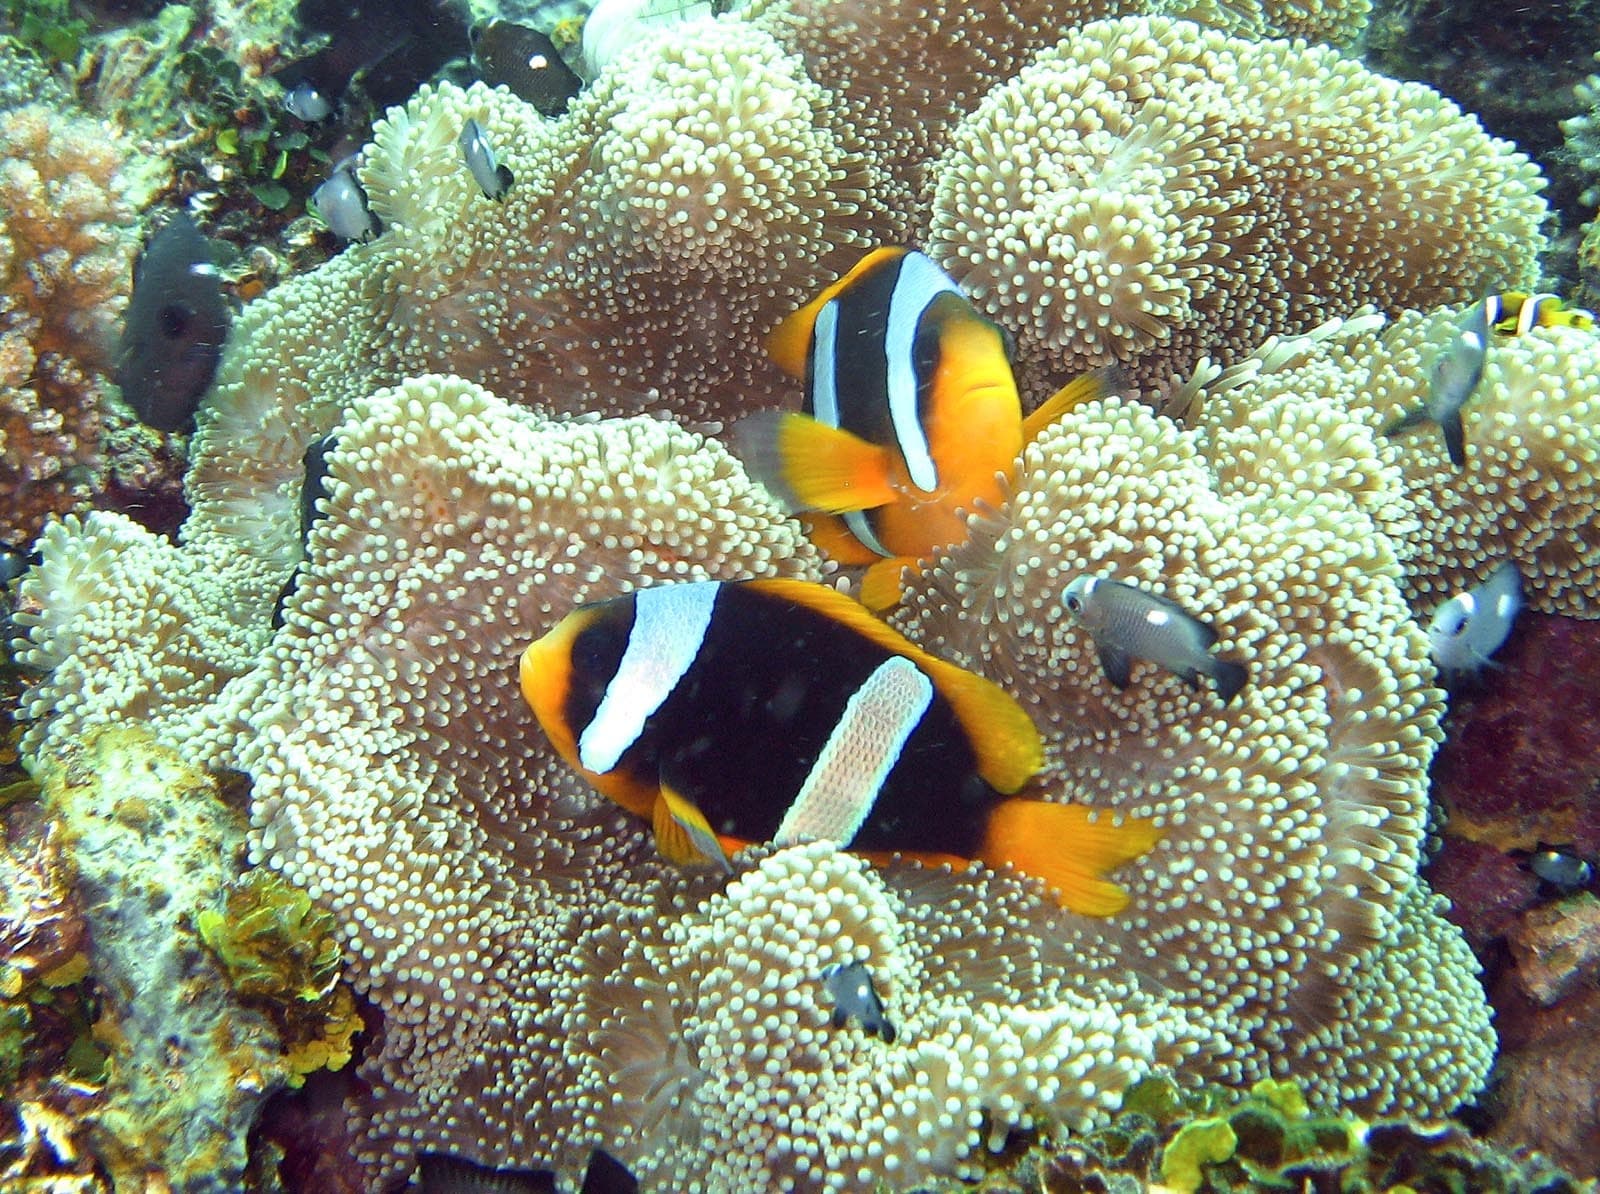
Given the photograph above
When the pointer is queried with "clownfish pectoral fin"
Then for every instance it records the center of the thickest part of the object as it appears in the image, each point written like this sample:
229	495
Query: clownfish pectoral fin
683	835
1077	392
810	465
1072	853
880	585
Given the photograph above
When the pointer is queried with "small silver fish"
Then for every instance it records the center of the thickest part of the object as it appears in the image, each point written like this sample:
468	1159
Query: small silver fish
1453	378
1470	627
1562	870
854	997
343	206
1128	623
306	102
494	178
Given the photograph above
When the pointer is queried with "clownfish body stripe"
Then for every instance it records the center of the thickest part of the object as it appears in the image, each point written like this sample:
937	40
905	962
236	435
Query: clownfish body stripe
860	752
669	624
917	283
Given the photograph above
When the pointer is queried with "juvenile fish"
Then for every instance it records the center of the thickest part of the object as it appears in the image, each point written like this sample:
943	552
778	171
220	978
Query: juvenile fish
306	101
493	178
855	998
1563	871
1453	379
343	206
1128	623
174	329
1471	626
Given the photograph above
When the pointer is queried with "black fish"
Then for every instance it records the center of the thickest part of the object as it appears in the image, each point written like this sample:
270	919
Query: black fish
440	1174
855	997
527	62
176	324
312	489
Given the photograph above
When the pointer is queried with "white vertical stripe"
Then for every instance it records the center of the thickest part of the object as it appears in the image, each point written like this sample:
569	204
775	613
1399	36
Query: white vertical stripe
669	624
919	283
825	364
865	745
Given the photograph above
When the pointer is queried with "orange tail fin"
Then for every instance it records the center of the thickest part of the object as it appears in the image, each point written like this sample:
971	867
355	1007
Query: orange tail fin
812	466
1061	845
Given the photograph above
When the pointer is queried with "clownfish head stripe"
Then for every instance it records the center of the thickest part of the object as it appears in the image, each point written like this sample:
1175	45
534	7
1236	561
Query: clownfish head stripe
860	752
825	366
669	624
917	283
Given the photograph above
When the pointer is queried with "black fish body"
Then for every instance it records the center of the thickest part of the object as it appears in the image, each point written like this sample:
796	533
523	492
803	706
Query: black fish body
175	327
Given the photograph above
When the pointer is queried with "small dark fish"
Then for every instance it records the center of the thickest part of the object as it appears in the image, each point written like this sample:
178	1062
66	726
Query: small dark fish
343	206
441	1174
855	998
315	485
1128	623
1471	626
14	561
175	327
1452	379
1563	871
305	101
525	61
494	178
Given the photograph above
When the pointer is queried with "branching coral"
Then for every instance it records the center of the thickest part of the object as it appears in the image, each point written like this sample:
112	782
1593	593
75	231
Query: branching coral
1148	193
65	248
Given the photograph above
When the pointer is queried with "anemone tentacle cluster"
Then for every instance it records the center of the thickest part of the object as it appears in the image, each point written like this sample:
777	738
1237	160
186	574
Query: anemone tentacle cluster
1528	490
545	984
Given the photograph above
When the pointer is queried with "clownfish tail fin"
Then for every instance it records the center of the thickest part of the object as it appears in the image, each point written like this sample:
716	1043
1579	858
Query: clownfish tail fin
1069	848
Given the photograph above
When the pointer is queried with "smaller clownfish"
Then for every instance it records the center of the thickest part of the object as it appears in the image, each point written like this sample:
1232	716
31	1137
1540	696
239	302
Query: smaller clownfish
727	713
1513	312
911	418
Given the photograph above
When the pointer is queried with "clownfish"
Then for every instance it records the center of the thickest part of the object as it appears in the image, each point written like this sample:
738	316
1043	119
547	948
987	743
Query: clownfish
727	713
1514	312
911	417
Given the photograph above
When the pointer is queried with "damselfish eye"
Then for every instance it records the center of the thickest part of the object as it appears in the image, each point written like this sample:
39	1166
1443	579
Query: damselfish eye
1074	604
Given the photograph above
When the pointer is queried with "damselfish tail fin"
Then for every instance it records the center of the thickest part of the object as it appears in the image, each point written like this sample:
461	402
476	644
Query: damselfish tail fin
1069	847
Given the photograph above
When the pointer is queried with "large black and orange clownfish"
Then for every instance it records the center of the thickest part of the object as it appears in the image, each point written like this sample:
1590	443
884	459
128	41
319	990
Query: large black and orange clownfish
727	713
911	417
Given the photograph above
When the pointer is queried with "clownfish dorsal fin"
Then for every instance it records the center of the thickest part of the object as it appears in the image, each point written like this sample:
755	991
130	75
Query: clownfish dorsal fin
1080	390
683	835
790	342
1069	847
809	465
1003	736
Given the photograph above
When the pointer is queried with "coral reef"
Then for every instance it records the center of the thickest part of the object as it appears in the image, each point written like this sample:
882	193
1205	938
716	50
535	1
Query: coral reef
148	845
65	250
542	983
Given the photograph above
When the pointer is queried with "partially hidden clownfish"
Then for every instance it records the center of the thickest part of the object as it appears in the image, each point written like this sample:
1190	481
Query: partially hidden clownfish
727	713
911	418
1513	312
